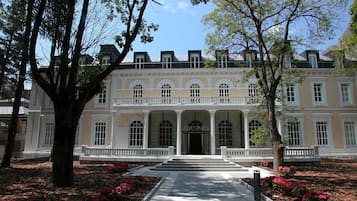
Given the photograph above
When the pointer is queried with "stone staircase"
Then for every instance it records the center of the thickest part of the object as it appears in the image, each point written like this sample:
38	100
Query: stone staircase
189	163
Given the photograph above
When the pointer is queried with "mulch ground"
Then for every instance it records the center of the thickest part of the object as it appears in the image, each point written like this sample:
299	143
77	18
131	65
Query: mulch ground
338	178
31	180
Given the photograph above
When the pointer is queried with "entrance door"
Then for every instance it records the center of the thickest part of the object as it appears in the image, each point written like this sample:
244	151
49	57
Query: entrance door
195	143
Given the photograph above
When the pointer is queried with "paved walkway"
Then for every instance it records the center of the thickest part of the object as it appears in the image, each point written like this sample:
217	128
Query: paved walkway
212	186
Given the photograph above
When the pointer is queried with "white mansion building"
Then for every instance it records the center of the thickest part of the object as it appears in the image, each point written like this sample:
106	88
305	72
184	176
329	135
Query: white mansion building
152	103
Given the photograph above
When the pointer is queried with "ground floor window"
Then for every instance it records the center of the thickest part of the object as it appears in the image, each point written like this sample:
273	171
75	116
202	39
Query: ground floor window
321	132
350	135
49	133
225	133
99	133
254	125
136	134
165	133
294	133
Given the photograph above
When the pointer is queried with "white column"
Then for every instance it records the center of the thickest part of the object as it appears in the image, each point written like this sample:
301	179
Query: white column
280	128
146	129
179	134
213	132
246	130
113	118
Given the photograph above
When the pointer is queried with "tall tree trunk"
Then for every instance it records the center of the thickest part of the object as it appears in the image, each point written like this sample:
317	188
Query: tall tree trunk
66	118
278	146
19	89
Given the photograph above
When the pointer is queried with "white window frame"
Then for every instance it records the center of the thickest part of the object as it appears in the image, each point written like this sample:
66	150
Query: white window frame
224	93
297	133
102	98
139	61
286	61
349	117
222	60
138	94
349	94
48	120
97	119
166	91
323	101
106	60
252	90
195	60
166	61
295	94
195	93
313	60
137	144
323	117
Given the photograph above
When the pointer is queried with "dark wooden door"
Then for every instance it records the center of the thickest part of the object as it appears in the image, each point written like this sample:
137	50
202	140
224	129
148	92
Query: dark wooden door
195	144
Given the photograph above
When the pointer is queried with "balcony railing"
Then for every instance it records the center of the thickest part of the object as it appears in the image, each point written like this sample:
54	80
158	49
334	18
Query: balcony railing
186	100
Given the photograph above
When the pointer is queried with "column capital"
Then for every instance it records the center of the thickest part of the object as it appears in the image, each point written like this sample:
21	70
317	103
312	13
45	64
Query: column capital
212	111
178	112
146	111
245	112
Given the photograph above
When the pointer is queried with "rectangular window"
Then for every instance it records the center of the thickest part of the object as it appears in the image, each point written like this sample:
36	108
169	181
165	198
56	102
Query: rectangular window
318	93
166	61
106	60
321	132
346	93
101	98
287	62
194	61
139	62
49	133
99	133
290	93
350	135
313	60
294	133
222	61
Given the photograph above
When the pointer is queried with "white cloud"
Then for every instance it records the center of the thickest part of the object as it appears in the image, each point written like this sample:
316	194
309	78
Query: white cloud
182	5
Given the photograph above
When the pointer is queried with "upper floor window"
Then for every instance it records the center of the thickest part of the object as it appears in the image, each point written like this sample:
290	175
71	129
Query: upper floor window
291	94
252	90
313	60
321	132
286	61
106	60
222	60
195	61
101	97
166	61
224	93
166	93
139	61
137	93
195	93
346	93
319	93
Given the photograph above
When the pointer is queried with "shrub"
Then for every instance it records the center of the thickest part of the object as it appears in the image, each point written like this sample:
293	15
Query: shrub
285	171
315	196
118	167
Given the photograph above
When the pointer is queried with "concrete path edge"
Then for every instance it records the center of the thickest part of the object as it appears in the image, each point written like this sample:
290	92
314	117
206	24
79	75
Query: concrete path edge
153	190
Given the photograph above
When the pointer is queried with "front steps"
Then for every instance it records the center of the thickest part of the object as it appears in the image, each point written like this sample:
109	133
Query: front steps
190	163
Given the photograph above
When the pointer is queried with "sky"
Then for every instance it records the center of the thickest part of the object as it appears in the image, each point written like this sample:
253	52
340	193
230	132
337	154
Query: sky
181	29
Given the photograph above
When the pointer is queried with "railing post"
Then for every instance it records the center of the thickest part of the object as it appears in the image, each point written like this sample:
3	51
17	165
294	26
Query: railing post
316	150
256	185
171	150
224	151
84	149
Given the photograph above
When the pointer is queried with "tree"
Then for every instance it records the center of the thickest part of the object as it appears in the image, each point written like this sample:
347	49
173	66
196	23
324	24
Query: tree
62	83
266	26
23	47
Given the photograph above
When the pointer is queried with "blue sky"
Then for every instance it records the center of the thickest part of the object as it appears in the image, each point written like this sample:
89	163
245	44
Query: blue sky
181	28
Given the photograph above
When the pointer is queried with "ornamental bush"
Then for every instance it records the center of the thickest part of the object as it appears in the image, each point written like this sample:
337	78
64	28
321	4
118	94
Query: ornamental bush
118	167
315	196
285	171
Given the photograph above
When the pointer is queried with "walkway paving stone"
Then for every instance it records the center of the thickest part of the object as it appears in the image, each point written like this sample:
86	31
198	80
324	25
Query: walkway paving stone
207	186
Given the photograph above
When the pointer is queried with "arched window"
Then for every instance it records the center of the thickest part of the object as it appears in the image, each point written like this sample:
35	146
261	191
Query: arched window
225	133
136	134
195	93
224	93
253	126
166	93
252	90
165	133
137	94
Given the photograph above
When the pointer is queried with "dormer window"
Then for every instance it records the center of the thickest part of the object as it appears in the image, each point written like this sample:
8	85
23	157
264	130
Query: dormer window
106	60
166	61
195	60
286	61
139	61
312	57
222	59
248	58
